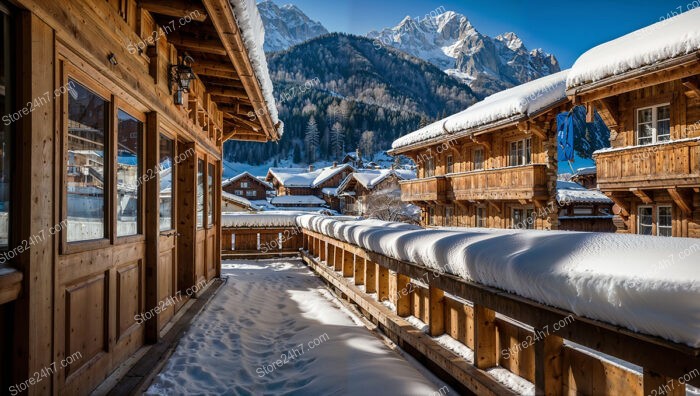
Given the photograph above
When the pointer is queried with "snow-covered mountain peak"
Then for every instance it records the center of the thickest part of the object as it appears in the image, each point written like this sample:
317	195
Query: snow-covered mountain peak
511	40
286	26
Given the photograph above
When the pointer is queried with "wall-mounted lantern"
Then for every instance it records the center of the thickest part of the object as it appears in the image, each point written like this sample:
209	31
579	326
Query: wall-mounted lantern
181	75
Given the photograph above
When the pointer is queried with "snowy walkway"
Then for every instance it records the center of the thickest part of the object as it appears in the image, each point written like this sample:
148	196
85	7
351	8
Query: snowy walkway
272	308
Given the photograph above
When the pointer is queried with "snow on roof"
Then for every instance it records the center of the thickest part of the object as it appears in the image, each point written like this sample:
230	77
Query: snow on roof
297	200
662	41
521	101
301	177
591	170
370	178
570	192
246	173
330	191
646	284
253	34
239	200
262	219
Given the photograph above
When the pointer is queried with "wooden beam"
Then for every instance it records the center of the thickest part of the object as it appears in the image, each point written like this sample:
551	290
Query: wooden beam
548	364
684	203
624	207
382	283
530	127
403	296
175	8
436	312
485	350
493	205
348	264
641	195
359	271
692	85
370	276
608	109
241	120
191	44
657	384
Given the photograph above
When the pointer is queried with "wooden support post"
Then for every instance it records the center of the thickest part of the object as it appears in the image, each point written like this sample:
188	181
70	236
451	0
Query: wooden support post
436	312
331	255
359	270
348	263
485	349
382	283
323	250
548	364
338	260
403	296
657	384
370	277
305	242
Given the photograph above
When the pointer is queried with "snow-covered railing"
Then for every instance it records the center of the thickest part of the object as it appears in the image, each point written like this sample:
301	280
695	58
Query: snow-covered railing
259	233
564	300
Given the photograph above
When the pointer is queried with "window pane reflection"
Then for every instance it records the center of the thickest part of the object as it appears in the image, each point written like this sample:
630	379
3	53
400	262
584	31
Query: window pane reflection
85	169
210	203
128	165
165	169
200	193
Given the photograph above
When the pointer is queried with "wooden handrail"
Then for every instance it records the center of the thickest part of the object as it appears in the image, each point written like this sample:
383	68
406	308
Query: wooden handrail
547	362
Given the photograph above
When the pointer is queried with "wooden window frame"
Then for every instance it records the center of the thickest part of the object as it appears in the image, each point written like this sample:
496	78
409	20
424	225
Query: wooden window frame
449	164
483	158
656	218
120	104
654	123
448	218
639	219
71	72
526	157
172	136
477	217
201	158
207	223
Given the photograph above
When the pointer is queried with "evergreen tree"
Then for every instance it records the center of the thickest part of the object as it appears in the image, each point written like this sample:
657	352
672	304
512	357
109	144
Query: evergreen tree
312	139
337	140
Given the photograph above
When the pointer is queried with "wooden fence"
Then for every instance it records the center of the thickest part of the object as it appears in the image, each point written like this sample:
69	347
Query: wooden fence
530	340
242	242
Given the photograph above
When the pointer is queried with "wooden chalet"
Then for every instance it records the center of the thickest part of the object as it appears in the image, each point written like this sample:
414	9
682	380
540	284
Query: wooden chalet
236	203
309	182
247	186
587	177
358	188
110	193
582	209
646	87
492	165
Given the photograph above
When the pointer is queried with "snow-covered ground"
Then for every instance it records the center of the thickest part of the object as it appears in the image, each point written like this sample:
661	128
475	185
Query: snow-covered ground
271	308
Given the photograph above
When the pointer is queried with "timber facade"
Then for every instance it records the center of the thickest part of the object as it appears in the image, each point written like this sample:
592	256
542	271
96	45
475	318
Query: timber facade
498	177
247	186
112	187
652	171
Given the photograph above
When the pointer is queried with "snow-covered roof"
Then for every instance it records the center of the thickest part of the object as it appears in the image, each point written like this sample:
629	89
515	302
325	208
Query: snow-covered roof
301	177
590	170
246	173
662	41
330	191
370	178
239	200
297	200
511	104
262	219
253	34
622	279
570	192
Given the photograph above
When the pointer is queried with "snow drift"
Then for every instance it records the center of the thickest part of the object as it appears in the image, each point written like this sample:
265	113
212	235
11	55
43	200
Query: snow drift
647	284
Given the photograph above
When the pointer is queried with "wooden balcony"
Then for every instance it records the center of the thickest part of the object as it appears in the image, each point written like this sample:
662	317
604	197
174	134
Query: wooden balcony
513	183
655	166
428	189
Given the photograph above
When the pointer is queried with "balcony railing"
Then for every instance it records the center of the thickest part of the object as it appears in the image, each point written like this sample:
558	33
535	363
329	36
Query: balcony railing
429	189
656	166
520	182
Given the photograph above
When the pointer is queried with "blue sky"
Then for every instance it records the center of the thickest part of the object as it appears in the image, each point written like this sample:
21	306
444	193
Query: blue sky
564	29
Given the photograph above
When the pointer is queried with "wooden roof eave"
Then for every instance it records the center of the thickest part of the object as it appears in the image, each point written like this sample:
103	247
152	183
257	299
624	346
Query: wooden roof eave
224	22
605	87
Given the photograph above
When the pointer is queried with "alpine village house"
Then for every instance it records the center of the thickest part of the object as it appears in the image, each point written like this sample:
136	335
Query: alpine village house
494	164
111	179
652	170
